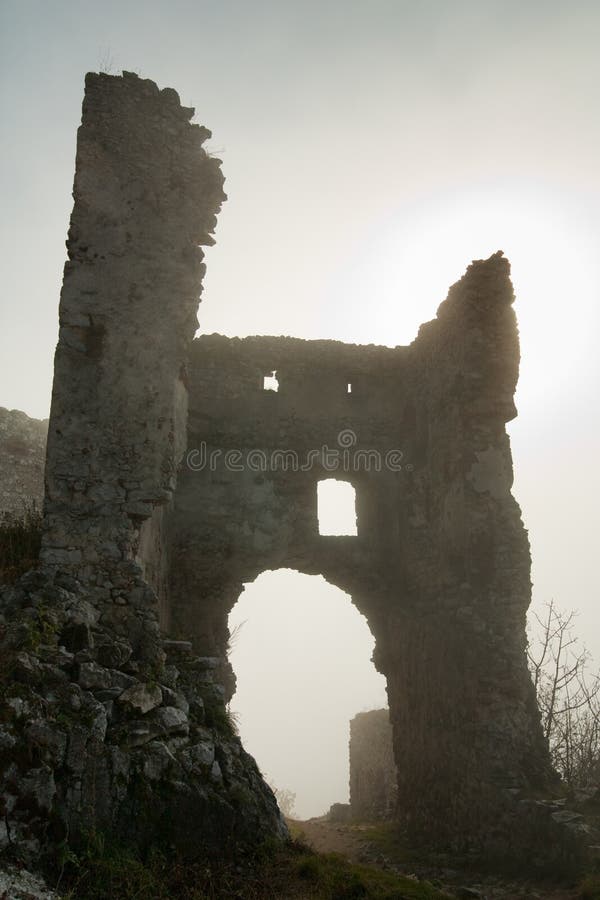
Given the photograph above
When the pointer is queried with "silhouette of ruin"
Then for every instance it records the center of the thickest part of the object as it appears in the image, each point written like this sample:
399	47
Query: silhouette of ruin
174	475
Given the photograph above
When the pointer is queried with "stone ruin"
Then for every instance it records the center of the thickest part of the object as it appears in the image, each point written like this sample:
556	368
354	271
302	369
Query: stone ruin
373	785
107	725
173	477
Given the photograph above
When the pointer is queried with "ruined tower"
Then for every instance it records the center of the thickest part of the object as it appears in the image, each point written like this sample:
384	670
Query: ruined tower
109	726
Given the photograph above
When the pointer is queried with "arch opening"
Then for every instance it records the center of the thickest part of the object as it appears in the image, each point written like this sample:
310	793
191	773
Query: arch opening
301	653
336	507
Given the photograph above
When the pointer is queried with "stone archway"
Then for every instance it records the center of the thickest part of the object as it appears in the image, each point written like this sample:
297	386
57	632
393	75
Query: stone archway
440	565
301	653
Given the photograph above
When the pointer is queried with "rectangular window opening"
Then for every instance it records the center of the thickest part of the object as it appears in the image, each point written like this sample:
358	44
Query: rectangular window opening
336	507
270	382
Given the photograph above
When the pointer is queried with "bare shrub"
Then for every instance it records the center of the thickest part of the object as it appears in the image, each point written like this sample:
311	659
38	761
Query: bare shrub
568	695
286	799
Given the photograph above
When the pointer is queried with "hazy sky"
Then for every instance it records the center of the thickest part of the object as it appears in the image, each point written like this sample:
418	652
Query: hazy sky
371	150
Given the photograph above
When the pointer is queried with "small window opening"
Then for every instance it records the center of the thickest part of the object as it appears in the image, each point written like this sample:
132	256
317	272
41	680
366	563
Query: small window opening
336	505
349	387
270	382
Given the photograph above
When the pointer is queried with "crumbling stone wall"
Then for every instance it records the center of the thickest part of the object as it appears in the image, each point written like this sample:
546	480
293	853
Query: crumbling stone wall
22	459
440	564
373	787
233	521
106	724
146	194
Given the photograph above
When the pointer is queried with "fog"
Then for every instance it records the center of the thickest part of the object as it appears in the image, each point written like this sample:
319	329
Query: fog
371	150
301	652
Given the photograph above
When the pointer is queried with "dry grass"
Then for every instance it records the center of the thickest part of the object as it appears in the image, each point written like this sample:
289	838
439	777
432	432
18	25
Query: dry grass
20	539
289	872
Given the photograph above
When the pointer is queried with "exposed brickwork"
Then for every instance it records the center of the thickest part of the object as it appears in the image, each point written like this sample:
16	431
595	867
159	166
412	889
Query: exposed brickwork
146	195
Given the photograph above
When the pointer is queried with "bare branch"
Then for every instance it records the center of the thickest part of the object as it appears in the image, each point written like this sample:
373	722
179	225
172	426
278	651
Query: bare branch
568	695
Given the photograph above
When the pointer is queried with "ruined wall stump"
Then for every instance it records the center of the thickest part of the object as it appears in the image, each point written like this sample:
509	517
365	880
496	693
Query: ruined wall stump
106	725
373	781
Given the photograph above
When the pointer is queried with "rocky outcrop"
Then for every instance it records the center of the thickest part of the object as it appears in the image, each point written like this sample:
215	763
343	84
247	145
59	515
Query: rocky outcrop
19	884
100	733
22	460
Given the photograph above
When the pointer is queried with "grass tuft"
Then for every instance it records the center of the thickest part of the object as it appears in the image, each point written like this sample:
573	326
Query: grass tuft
20	541
275	872
589	889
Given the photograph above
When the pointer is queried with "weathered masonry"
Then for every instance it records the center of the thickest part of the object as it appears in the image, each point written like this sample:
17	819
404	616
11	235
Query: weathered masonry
440	563
373	783
114	650
104	724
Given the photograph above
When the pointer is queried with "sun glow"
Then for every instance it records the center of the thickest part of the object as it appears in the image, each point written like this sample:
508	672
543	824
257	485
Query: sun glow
404	270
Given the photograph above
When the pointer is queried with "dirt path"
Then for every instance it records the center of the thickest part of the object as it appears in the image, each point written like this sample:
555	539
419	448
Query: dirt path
353	843
326	837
